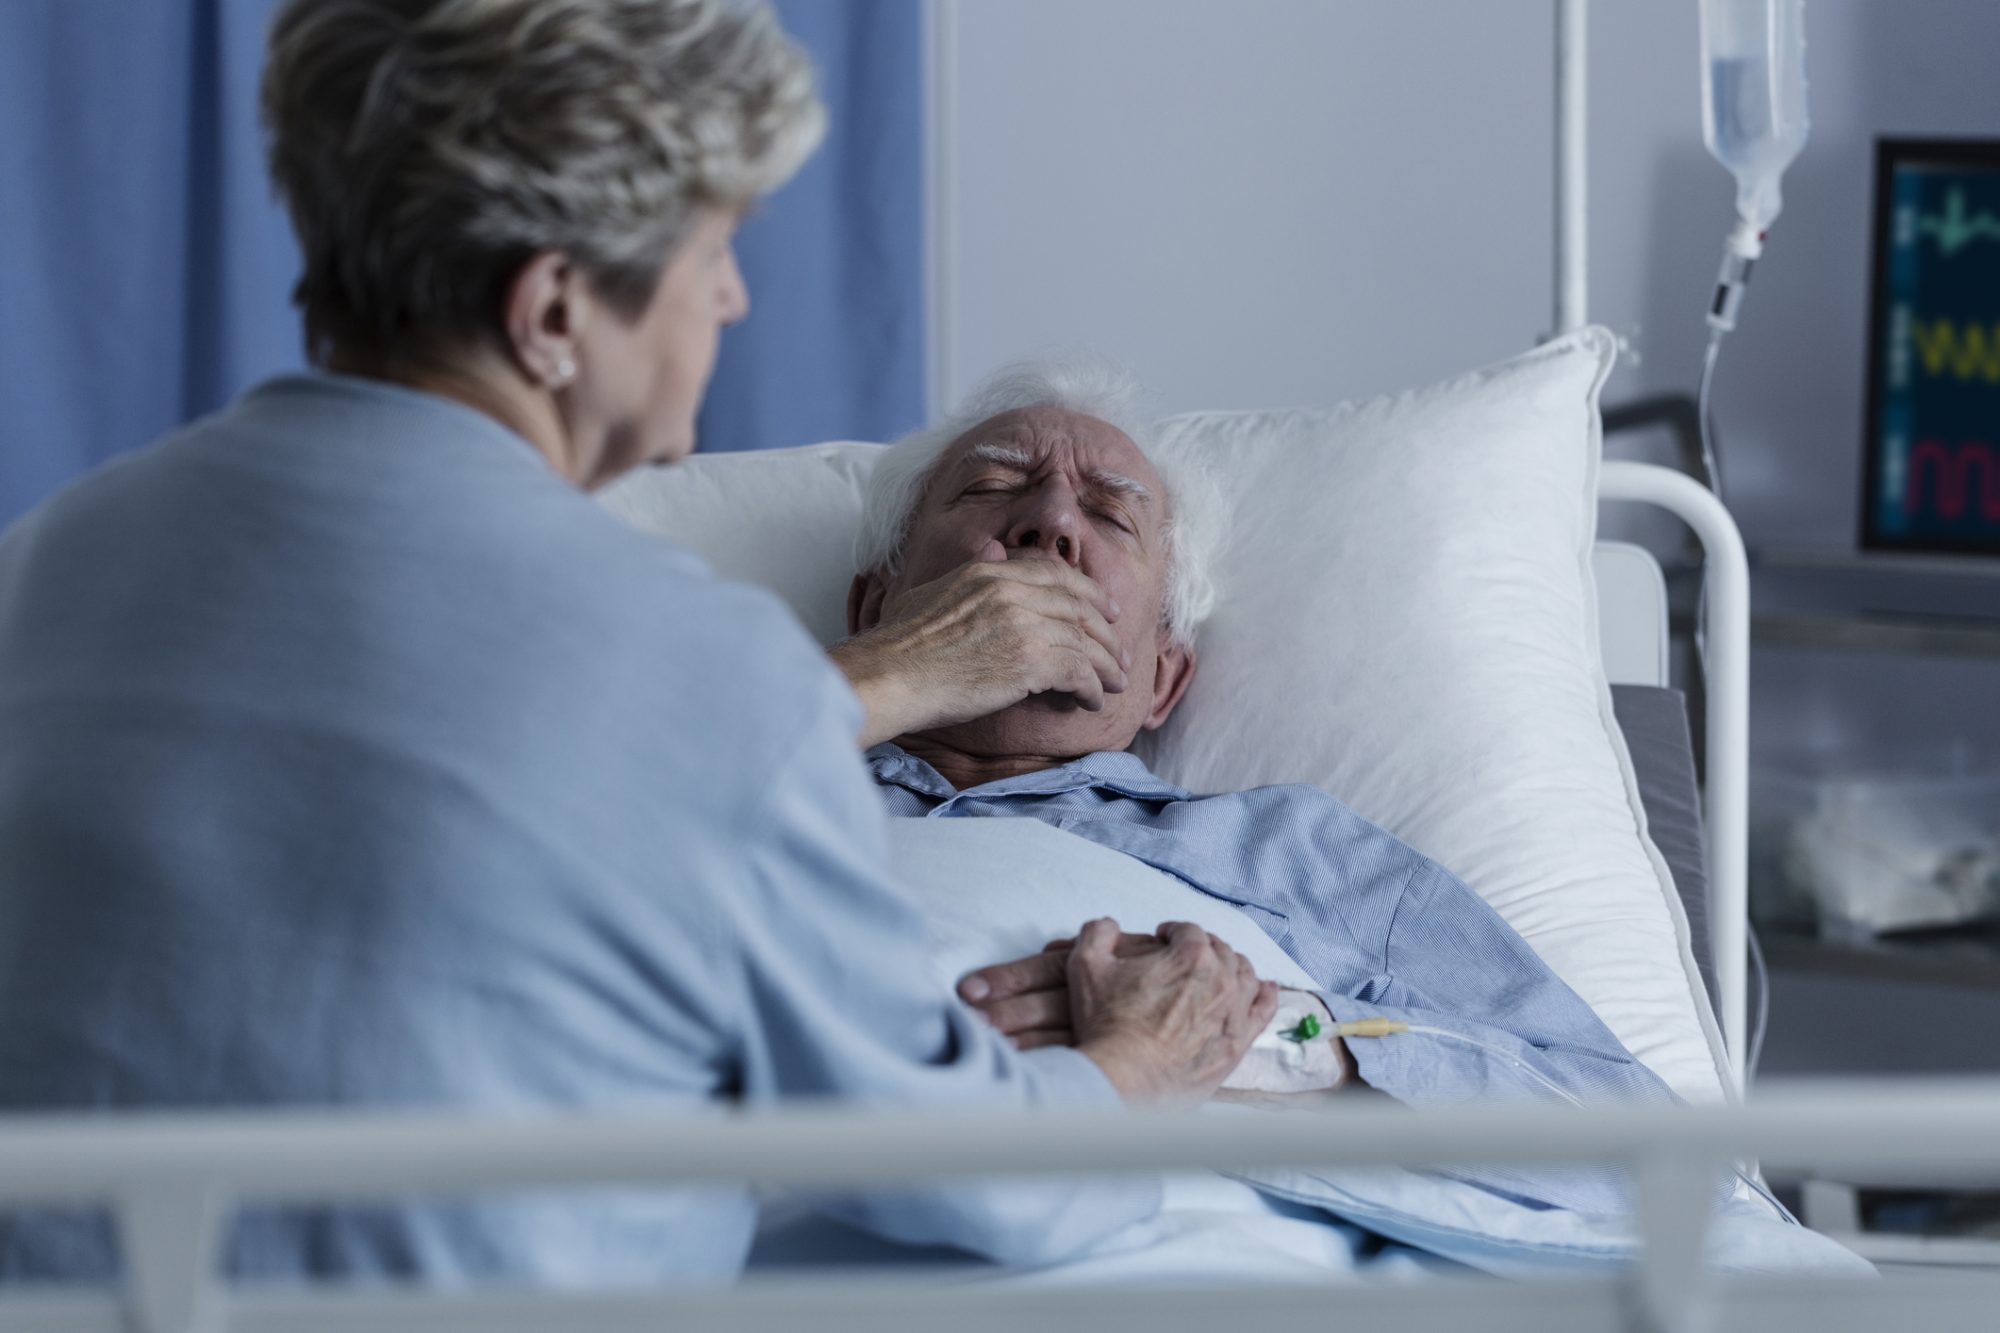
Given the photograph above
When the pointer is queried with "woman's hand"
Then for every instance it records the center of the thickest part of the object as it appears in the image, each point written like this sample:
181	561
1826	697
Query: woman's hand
1166	1016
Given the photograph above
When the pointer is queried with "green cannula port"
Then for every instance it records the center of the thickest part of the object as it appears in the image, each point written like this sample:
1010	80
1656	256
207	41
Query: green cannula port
1307	1029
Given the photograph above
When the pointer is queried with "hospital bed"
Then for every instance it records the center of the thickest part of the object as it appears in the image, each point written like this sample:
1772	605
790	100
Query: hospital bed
171	1181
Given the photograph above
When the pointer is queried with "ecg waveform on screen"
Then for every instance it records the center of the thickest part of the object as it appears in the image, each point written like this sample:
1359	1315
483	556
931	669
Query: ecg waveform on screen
1962	351
1955	228
1962	480
1933	469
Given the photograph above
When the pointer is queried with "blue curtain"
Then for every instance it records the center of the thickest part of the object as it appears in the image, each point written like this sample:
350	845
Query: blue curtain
834	346
149	272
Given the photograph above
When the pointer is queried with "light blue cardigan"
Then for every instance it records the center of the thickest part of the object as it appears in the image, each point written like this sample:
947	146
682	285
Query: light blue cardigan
350	756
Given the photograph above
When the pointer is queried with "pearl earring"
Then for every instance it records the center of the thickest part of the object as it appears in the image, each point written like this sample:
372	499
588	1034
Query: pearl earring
565	372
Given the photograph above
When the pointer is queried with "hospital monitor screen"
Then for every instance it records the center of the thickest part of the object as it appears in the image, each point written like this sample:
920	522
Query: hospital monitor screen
1932	441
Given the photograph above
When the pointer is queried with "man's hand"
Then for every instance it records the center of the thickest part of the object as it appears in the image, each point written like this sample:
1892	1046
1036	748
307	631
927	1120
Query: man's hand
1166	1017
983	638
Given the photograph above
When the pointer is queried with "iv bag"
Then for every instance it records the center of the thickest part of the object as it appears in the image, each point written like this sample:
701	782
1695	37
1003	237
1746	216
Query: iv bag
1753	86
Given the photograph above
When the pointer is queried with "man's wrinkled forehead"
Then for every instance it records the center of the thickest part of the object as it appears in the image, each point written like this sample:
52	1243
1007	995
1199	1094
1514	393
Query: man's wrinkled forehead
1104	457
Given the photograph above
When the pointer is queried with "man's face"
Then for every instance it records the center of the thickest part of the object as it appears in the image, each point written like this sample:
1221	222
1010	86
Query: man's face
1050	484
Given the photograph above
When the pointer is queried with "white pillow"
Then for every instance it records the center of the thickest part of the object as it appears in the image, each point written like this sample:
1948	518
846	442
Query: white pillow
1407	618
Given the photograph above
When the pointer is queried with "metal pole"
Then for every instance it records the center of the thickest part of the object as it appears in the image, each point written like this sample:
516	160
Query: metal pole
1572	267
941	203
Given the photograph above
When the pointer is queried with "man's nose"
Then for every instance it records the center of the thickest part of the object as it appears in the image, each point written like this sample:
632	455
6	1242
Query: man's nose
1051	527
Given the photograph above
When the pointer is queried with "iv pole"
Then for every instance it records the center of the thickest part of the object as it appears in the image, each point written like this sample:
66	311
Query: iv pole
1572	271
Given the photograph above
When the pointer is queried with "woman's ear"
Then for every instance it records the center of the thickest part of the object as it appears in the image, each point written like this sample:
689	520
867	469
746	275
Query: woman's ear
864	602
544	318
1173	671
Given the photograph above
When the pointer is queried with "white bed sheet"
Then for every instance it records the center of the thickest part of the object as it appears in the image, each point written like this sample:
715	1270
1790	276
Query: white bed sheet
995	889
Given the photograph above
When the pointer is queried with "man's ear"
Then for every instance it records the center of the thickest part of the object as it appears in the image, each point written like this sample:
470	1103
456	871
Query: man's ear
1173	671
864	602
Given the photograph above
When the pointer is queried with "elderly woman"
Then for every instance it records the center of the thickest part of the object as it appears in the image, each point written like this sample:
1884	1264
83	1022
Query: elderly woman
354	756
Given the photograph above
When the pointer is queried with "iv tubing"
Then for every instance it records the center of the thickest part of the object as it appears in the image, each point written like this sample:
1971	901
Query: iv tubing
1739	255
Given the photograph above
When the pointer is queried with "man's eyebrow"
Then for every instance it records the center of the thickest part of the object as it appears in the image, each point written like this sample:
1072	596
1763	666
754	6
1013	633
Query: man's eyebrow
1006	455
1119	483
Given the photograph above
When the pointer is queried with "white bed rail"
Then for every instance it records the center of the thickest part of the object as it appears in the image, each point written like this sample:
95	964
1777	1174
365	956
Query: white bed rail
171	1181
1726	798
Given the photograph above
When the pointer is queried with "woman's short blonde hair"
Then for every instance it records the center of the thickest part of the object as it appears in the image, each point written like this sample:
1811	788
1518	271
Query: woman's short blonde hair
426	149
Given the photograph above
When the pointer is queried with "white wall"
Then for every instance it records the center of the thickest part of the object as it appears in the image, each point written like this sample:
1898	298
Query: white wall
1266	202
1252	203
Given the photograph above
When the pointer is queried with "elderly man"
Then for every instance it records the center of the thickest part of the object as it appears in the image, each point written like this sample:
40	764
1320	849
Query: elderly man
1029	594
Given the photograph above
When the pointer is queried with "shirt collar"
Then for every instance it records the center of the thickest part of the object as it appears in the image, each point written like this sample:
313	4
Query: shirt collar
1119	771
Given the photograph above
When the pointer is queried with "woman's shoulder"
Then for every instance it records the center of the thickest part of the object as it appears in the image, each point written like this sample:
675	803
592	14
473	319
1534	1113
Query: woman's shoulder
667	615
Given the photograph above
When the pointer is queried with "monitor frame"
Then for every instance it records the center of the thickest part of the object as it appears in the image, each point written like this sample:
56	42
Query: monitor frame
1890	153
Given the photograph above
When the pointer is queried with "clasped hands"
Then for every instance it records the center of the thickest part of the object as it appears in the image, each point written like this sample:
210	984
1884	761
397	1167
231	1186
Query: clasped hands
1166	1016
1068	995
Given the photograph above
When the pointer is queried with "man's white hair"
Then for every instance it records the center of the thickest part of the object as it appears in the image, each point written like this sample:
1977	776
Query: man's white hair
1092	387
